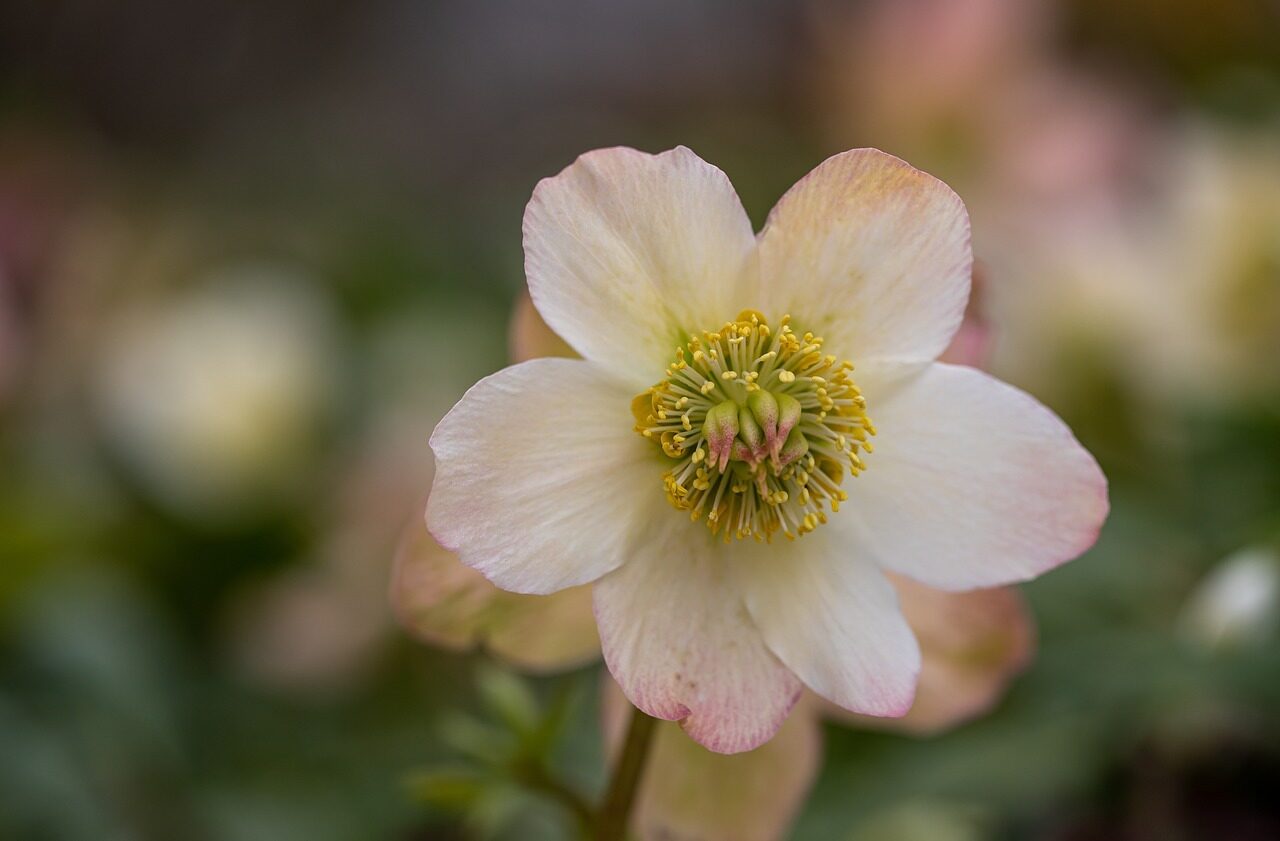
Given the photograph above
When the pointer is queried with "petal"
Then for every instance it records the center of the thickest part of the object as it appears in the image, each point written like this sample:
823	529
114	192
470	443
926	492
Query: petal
870	253
541	482
972	483
529	337
545	633
833	619
688	793
971	345
626	253
680	643
446	603
972	644
434	595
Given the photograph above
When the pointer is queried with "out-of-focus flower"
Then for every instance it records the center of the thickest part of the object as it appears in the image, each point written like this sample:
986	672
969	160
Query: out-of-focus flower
216	397
912	69
1181	295
42	182
972	89
1238	602
543	484
971	645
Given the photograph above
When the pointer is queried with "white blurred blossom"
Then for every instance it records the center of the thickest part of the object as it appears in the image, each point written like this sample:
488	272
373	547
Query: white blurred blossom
216	396
1238	602
1178	294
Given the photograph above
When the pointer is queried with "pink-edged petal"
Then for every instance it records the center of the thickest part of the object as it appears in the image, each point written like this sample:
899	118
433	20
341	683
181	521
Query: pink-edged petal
830	615
446	603
870	253
689	793
627	252
541	482
972	645
679	642
973	483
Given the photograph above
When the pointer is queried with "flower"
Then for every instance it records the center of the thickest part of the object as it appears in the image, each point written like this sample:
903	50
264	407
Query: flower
1238	601
705	615
1180	295
971	645
214	395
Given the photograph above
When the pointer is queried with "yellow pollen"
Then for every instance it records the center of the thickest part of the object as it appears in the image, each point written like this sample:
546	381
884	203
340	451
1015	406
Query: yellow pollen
760	428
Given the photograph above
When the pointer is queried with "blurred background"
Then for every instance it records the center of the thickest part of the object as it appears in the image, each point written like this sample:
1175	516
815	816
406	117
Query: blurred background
250	252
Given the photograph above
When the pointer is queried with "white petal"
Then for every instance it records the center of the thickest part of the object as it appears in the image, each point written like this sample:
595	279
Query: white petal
627	252
541	481
972	483
678	640
688	793
871	254
832	617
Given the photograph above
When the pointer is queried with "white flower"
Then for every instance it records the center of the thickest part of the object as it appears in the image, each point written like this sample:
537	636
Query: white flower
1237	603
215	395
716	413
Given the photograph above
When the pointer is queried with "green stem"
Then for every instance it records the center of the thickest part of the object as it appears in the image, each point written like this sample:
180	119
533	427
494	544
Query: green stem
611	824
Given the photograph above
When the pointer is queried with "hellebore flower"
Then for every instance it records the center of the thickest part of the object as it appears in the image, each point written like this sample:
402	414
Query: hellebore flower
972	644
731	570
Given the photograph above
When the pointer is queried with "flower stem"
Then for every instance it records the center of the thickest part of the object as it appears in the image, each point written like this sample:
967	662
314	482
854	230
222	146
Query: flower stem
611	824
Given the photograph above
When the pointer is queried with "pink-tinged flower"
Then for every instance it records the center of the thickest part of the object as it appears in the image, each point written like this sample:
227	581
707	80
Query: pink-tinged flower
971	645
737	559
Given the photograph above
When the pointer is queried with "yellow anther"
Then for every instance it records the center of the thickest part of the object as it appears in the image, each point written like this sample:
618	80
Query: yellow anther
771	457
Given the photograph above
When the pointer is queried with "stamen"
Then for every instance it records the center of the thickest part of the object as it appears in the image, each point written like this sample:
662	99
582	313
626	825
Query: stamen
761	427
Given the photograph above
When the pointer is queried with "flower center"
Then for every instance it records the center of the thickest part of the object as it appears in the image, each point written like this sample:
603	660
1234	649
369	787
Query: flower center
760	426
